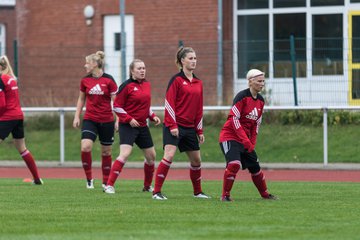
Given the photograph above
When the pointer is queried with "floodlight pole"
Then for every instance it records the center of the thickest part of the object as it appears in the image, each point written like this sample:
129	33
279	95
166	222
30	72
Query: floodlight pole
123	41
220	56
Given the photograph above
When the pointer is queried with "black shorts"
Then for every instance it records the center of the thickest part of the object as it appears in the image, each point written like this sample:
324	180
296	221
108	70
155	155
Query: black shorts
234	150
15	127
91	129
139	135
187	140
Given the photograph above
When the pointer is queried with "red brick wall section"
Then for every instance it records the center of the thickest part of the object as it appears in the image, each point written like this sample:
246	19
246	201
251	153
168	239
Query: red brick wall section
54	40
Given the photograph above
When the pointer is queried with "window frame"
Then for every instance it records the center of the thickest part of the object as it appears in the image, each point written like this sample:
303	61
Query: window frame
2	39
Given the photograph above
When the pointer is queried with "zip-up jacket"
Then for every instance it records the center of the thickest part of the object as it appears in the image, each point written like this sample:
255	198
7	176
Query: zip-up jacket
244	119
184	103
133	101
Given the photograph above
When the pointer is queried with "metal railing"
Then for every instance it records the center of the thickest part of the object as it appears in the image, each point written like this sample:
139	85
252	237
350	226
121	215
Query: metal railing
63	110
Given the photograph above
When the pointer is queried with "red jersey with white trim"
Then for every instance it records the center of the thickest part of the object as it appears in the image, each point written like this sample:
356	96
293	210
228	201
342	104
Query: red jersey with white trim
133	101
98	92
10	108
244	119
184	103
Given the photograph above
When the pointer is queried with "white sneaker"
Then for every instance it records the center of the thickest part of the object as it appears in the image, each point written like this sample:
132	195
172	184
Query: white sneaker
159	196
90	184
103	187
109	189
201	195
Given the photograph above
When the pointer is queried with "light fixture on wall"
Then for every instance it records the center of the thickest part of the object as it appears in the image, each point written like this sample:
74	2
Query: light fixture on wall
89	13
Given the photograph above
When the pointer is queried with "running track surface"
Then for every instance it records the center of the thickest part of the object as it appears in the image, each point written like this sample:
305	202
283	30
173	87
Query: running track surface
183	174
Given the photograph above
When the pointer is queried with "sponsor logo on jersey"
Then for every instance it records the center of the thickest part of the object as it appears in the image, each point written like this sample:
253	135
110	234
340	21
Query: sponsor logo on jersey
253	114
185	83
14	88
136	89
96	90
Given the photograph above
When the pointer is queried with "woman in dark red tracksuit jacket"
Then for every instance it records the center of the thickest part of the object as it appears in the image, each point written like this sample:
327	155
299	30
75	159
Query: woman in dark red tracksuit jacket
238	136
12	117
132	106
183	127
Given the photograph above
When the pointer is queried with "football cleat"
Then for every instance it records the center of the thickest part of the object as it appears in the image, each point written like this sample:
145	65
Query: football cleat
38	181
271	197
201	195
159	196
226	199
90	184
109	189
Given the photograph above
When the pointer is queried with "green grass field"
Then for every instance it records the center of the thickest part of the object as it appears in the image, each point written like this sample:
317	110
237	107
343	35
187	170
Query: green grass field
276	144
65	209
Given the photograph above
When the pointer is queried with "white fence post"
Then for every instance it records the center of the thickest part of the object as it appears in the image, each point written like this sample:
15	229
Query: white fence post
62	136
325	135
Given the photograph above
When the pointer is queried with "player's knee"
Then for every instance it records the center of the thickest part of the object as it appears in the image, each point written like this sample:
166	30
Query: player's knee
150	155
150	158
86	148
150	162
169	156
233	167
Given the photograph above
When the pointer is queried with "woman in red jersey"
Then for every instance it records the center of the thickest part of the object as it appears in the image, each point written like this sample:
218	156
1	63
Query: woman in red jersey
238	136
183	122
97	89
132	106
12	117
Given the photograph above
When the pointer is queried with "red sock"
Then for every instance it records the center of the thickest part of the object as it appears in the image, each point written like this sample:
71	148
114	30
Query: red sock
148	173
30	163
259	181
86	163
106	167
161	173
195	176
229	176
115	171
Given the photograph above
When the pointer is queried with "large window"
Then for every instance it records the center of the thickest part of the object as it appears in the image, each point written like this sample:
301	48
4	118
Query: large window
286	25
265	30
327	44
2	39
253	43
355	42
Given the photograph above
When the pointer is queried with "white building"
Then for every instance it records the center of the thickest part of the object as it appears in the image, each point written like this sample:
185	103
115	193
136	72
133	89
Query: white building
327	45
